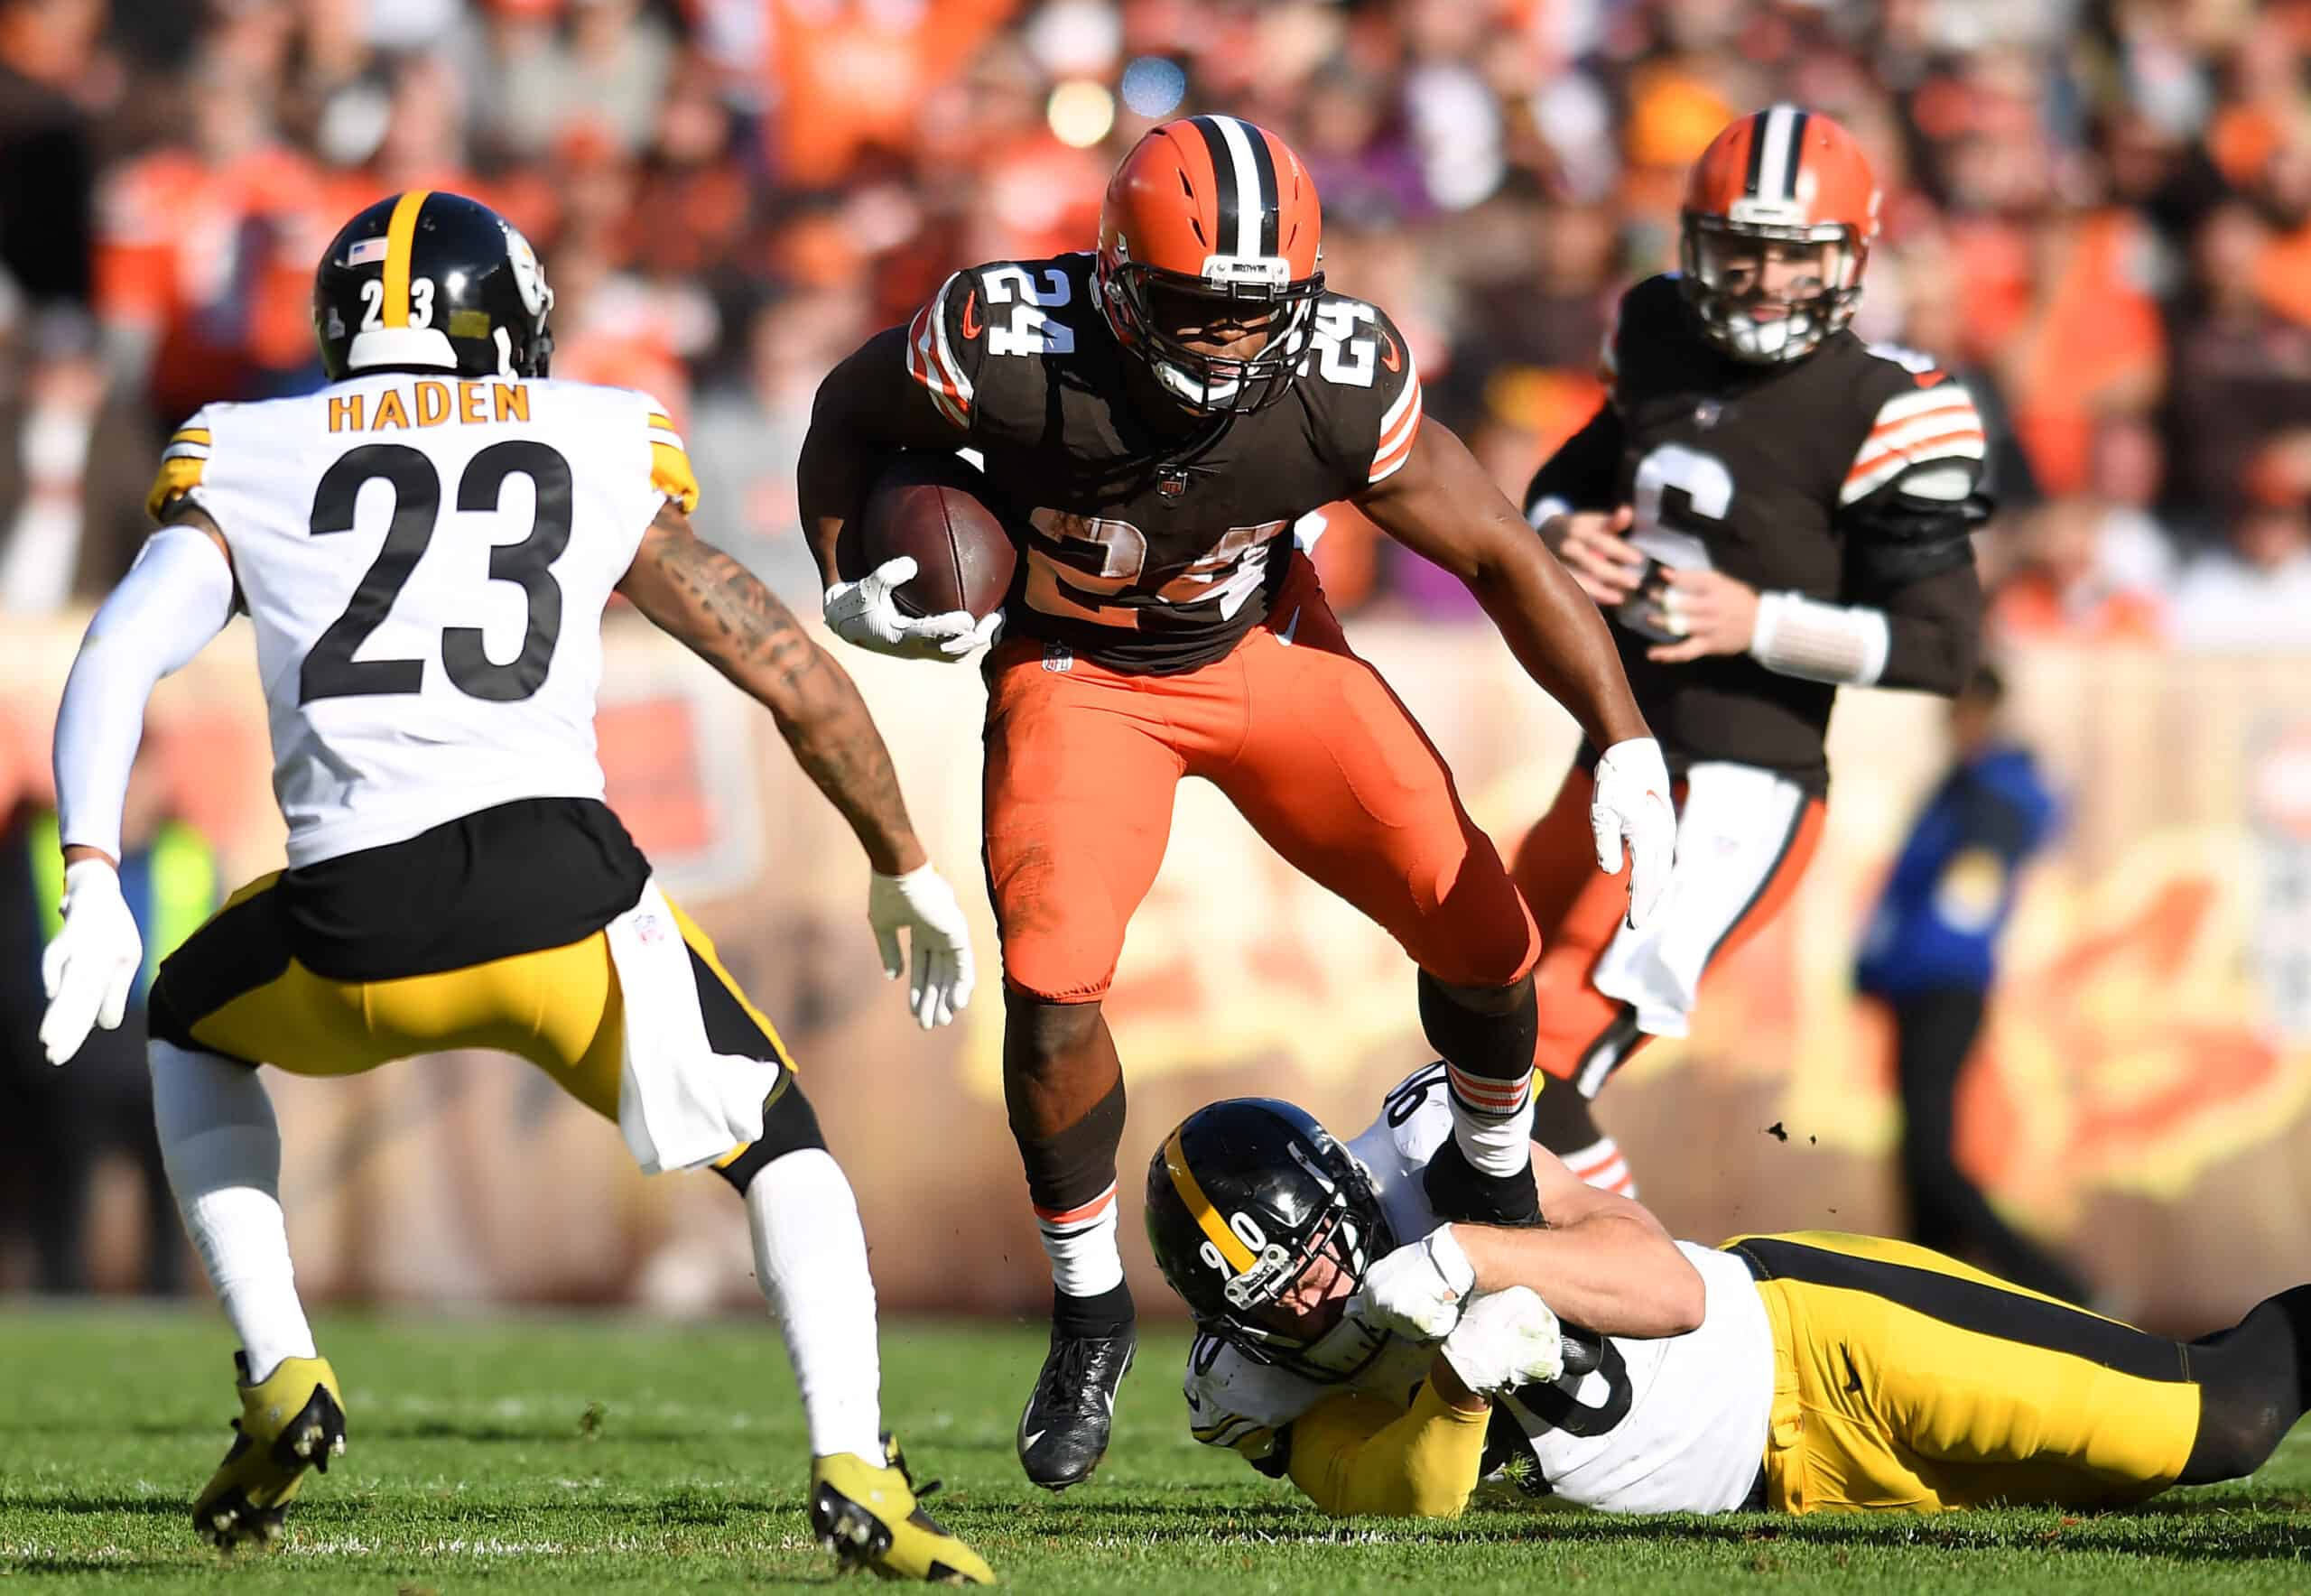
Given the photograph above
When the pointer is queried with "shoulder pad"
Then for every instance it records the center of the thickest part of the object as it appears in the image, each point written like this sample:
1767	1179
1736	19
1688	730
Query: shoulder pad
1929	421
670	469
1368	385
183	461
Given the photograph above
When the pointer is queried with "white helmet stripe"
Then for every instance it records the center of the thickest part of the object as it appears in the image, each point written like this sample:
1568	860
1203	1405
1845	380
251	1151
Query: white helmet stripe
1778	167
1251	204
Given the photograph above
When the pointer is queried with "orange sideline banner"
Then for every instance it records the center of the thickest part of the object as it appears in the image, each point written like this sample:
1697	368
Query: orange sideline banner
2138	1099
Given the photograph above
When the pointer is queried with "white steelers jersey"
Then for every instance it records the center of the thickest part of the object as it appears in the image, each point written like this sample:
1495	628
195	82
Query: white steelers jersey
1676	1425
425	560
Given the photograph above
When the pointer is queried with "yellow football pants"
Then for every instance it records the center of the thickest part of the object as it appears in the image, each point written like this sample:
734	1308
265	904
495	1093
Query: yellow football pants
1907	1381
558	1007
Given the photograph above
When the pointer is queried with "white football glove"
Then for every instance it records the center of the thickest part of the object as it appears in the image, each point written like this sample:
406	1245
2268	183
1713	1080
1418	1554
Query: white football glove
1416	1291
1631	804
863	612
90	967
922	903
1506	1339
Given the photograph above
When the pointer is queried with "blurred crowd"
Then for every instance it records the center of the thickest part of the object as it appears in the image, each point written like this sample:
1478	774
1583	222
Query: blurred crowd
2099	211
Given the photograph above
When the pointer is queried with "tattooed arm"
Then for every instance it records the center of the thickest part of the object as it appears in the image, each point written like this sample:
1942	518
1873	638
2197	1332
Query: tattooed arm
723	614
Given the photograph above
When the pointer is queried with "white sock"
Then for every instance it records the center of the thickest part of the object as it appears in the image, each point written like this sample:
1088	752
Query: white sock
223	1153
1081	1244
1601	1165
1492	1120
811	1261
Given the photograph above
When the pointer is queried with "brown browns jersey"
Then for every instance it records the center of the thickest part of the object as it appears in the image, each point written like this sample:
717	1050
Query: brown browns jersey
1852	475
1148	552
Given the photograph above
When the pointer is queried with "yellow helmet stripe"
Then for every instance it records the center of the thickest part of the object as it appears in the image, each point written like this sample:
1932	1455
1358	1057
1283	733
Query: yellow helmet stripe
1233	1250
401	233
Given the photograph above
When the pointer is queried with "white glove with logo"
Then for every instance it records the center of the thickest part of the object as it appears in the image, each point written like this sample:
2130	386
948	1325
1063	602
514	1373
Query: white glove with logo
90	967
922	903
1631	804
1416	1291
863	612
1506	1339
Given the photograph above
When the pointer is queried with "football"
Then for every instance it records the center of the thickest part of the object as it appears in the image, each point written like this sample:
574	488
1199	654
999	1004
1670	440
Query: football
930	507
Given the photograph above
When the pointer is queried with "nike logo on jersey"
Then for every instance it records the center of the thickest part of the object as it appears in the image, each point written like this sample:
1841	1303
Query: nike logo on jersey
1853	1375
970	314
1290	627
1926	379
1389	356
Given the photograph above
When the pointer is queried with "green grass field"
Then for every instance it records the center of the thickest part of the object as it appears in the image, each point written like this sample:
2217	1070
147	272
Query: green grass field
575	1454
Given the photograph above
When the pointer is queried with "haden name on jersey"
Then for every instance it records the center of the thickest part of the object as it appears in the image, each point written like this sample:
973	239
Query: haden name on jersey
425	561
425	402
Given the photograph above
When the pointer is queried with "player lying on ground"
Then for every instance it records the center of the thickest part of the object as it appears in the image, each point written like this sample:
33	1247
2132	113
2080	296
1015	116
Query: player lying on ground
1160	415
1387	1363
455	880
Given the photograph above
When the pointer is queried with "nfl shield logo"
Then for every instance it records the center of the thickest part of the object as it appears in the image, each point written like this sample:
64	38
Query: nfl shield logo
1706	412
1172	483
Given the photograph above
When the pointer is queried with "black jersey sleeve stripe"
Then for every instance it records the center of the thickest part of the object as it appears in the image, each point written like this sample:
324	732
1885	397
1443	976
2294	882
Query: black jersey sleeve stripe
1271	195
1223	170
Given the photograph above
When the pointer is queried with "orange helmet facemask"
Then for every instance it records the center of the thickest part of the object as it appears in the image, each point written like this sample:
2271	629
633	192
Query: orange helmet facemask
1780	176
1216	207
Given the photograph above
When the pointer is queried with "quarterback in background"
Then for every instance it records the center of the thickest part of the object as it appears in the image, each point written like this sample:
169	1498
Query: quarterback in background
424	548
1765	508
1386	1361
1157	414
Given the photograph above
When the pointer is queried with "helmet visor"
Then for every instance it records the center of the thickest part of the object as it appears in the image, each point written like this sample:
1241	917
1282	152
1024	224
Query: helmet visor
1769	292
1218	350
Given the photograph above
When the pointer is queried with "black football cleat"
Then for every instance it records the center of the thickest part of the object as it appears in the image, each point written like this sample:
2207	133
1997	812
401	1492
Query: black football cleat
1457	1191
1063	1433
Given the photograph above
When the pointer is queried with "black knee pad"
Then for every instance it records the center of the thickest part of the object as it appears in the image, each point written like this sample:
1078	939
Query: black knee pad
1488	1031
789	1125
1072	1168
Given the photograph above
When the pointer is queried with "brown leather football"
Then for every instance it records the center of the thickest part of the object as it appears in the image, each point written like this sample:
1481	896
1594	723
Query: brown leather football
928	505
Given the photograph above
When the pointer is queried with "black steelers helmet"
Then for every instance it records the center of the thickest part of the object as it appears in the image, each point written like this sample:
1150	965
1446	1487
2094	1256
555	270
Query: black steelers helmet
434	282
1241	1198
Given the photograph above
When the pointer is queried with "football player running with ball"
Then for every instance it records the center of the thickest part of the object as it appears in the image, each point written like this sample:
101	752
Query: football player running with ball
1386	1361
1158	414
1766	509
424	548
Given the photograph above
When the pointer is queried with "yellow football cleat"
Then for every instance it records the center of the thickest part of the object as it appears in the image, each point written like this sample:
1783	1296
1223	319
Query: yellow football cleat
292	1421
871	1518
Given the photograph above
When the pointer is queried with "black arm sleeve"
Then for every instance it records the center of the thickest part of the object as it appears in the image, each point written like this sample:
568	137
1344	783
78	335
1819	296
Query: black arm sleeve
1587	467
1913	556
1933	629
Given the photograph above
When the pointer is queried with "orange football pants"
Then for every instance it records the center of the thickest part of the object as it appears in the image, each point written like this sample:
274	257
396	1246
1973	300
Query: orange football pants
1579	908
1304	738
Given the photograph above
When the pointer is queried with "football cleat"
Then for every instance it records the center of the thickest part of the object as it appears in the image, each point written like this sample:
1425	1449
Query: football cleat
873	1519
1458	1190
1063	1431
291	1421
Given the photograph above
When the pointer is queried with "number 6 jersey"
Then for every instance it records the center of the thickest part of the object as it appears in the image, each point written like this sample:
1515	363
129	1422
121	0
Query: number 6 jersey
1676	1425
425	560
